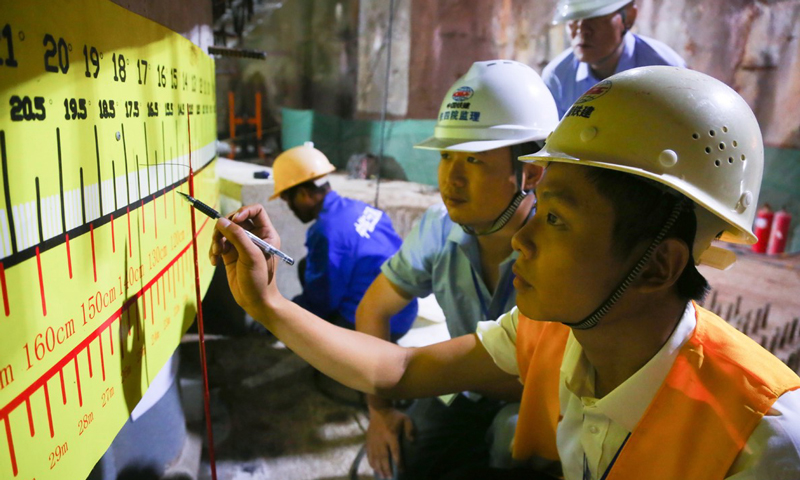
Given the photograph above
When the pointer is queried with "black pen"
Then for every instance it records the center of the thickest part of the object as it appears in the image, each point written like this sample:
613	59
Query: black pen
264	246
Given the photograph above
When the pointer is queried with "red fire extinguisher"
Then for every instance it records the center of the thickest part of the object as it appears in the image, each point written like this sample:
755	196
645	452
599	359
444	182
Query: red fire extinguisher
763	224
779	233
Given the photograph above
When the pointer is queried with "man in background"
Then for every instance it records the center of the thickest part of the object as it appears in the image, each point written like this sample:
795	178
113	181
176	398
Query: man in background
601	45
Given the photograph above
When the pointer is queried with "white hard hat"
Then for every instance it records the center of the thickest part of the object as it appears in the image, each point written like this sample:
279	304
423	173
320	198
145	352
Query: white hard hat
567	10
680	128
299	165
495	104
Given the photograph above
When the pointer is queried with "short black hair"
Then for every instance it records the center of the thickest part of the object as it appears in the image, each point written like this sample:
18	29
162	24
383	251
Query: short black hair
520	149
641	208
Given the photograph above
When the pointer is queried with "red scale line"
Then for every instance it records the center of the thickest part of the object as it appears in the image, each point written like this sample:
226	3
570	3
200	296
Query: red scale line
49	413
130	246
30	415
69	256
41	282
78	378
165	283
94	261
63	388
155	215
102	359
152	310
111	340
11	446
89	356
113	243
174	291
5	291
71	356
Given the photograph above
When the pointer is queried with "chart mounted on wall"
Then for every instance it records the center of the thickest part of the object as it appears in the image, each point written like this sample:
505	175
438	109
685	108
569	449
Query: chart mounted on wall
102	113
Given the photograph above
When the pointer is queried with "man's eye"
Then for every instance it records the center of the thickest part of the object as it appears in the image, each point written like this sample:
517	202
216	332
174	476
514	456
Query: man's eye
473	160
445	156
553	220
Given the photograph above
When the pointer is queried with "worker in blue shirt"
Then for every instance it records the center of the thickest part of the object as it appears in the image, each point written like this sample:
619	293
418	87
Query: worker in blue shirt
460	251
347	244
601	45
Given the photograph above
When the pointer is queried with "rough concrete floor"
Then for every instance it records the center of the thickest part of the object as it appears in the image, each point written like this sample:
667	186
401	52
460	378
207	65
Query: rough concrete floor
271	418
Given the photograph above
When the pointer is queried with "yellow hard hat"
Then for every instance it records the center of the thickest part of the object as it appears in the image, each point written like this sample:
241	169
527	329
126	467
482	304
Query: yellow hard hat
680	128
299	165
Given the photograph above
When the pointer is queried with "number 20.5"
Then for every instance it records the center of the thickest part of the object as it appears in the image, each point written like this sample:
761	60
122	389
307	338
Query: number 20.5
22	108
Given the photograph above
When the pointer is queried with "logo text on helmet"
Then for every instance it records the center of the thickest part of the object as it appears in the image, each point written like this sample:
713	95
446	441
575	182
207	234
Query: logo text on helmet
463	94
461	115
580	111
597	91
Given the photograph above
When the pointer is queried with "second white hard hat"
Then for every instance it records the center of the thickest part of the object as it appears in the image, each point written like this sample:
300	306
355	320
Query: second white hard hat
495	104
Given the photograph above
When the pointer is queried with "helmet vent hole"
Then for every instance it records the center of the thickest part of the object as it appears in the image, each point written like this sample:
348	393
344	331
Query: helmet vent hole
725	129
708	149
712	132
721	146
735	144
695	135
730	159
717	162
743	158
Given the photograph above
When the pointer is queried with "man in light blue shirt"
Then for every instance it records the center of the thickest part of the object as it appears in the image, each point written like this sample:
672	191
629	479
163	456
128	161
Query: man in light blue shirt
601	45
461	252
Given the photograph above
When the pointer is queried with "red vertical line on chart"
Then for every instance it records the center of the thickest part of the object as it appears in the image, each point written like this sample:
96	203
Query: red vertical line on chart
127	173
63	387
94	261
5	290
158	295
155	220
164	286
41	281
89	357
39	210
102	359
83	200
139	182
200	328
7	193
144	306
69	255
49	412
152	310
61	197
30	415
78	381
174	290
111	338
147	162
11	446
168	274
99	179
130	245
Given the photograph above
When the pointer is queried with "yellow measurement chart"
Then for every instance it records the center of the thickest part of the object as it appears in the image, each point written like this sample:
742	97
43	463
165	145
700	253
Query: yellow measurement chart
103	112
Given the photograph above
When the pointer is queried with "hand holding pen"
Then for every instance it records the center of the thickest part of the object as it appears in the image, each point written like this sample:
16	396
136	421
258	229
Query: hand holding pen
263	245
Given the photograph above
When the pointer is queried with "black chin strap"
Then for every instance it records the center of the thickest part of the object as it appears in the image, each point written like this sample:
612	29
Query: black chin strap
592	320
503	219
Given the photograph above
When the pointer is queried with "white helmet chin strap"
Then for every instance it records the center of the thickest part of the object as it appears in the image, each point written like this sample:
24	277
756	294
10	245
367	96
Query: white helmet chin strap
504	217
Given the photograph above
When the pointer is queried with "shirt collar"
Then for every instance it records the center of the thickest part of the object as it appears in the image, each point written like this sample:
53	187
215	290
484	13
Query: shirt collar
330	197
626	61
627	403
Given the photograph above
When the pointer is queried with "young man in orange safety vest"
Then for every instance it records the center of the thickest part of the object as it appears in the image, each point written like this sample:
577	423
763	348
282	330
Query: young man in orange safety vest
625	375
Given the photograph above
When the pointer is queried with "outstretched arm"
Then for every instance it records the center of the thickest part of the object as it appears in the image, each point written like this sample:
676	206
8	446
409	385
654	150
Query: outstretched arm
355	359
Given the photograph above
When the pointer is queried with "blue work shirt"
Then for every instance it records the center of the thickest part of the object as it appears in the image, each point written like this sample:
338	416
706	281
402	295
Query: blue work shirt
347	245
439	257
568	79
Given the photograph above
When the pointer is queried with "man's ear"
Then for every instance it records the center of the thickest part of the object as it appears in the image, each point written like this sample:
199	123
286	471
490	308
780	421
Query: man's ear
531	174
631	10
665	266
